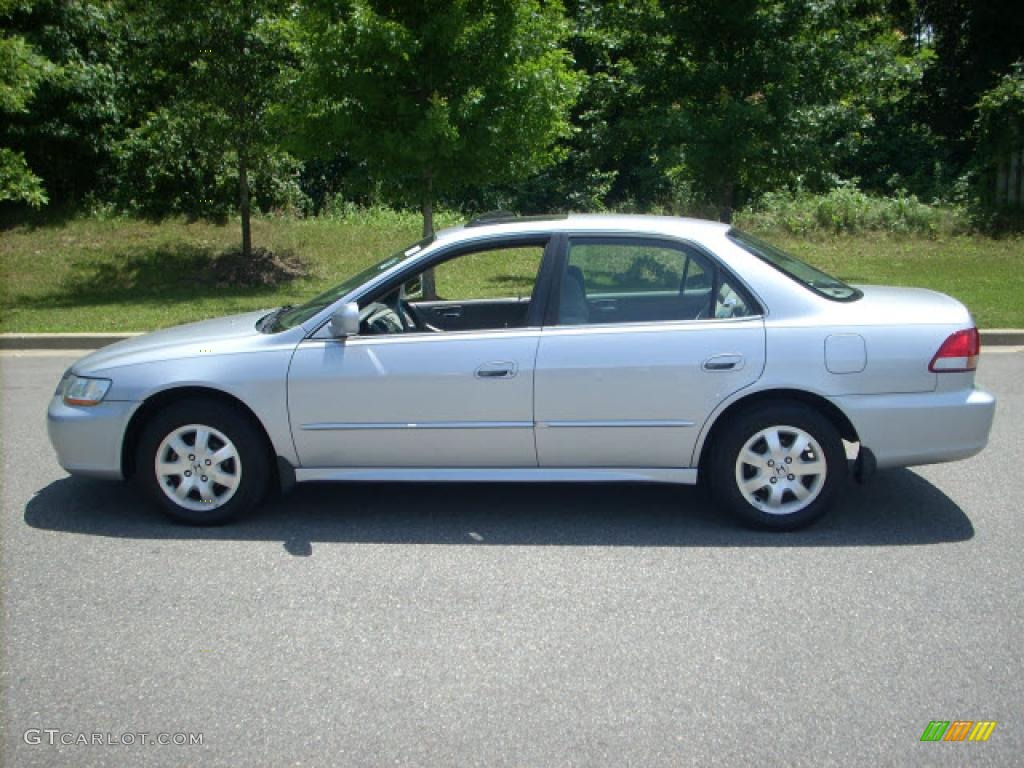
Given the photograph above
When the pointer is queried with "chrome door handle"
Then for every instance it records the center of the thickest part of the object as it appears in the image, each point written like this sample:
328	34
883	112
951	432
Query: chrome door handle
503	370
723	363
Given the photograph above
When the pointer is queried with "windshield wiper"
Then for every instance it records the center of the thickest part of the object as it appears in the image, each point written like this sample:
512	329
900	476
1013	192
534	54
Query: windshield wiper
267	321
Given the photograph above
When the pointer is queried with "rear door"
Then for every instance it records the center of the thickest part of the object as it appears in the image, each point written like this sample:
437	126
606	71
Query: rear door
646	337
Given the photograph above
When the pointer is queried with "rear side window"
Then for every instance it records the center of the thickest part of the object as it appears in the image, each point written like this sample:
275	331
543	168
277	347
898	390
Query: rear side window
624	280
810	277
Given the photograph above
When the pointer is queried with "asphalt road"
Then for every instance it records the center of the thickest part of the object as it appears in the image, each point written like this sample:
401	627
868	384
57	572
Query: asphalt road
504	625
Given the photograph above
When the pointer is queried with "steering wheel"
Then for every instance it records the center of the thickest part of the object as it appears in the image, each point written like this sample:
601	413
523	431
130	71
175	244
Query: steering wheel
380	319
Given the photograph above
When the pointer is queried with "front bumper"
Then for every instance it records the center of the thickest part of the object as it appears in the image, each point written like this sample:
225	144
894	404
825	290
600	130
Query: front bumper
905	430
88	440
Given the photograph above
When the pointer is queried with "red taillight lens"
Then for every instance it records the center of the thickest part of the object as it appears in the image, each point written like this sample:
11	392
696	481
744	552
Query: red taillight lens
958	353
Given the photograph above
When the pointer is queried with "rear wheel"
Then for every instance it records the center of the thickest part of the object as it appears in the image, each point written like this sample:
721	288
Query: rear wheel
203	462
777	466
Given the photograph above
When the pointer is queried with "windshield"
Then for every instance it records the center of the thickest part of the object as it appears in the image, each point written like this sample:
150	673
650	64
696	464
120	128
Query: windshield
821	283
289	317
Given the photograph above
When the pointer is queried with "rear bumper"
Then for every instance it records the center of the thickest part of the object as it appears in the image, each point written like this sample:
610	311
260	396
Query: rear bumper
921	428
88	440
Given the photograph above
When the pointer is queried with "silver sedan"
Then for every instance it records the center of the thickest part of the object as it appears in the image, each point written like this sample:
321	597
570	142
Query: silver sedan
572	348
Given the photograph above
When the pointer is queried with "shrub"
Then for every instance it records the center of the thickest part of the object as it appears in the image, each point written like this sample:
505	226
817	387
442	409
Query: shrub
847	209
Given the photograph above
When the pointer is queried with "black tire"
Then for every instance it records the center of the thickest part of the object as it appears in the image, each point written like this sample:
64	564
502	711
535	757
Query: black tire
743	427
253	465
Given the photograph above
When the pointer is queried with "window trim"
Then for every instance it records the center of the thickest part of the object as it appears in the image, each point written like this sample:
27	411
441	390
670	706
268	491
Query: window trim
756	306
541	290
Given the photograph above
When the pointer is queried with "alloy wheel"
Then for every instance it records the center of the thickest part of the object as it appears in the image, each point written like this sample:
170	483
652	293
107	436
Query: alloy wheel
198	467
780	470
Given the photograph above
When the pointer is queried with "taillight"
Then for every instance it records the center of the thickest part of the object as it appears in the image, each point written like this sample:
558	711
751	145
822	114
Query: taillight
958	353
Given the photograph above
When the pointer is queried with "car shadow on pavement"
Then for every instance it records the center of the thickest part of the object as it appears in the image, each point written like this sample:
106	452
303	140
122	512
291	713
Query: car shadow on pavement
898	507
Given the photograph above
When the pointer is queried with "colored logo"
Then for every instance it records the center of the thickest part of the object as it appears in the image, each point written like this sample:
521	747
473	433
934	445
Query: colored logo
958	730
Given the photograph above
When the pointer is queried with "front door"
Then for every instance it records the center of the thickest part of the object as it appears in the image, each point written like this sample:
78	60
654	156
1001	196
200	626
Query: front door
422	400
416	388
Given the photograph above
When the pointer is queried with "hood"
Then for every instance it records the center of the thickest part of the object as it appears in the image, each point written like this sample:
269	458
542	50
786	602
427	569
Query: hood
883	304
221	335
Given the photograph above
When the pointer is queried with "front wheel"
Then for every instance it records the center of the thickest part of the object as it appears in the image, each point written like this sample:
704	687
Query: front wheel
777	466
203	462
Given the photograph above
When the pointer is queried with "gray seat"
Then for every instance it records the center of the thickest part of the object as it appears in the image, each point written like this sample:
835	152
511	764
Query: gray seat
572	303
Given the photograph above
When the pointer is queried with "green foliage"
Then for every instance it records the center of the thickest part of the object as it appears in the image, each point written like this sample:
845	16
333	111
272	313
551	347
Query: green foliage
611	156
975	44
1000	135
22	70
173	163
215	72
17	182
866	65
731	89
435	97
74	116
1000	123
187	106
848	210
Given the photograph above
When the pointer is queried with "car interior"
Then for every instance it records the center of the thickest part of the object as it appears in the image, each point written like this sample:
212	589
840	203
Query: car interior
481	290
636	282
603	282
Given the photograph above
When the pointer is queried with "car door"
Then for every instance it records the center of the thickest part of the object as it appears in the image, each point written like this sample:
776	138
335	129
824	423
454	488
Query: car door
437	398
614	391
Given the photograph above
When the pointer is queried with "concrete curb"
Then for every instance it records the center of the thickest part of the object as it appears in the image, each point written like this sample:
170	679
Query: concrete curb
61	340
1002	337
993	337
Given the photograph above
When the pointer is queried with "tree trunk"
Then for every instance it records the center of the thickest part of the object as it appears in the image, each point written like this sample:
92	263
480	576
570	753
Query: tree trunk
244	206
726	200
427	208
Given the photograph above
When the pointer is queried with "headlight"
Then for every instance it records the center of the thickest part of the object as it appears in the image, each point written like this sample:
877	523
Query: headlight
78	390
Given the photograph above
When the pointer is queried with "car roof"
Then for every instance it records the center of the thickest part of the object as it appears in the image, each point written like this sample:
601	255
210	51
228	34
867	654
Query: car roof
676	226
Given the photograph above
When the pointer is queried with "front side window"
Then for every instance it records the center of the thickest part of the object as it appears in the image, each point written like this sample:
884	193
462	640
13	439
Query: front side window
486	289
631	281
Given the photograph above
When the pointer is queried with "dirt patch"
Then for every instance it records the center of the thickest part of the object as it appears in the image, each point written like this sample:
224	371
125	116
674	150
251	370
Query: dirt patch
263	268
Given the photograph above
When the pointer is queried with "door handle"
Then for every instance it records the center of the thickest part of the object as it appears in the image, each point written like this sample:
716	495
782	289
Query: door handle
448	311
502	370
723	363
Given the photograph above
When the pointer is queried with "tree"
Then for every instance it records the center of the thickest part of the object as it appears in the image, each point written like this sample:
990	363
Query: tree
612	151
22	70
1000	130
975	44
438	95
731	88
861	76
213	73
68	133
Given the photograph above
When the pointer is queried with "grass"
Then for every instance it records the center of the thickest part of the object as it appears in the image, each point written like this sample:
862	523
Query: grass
984	273
132	275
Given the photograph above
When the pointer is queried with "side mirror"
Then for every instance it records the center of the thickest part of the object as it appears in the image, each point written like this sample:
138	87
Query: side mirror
345	320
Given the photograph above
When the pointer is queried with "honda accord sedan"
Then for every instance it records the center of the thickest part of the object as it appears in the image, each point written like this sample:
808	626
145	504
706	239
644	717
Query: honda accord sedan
566	349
